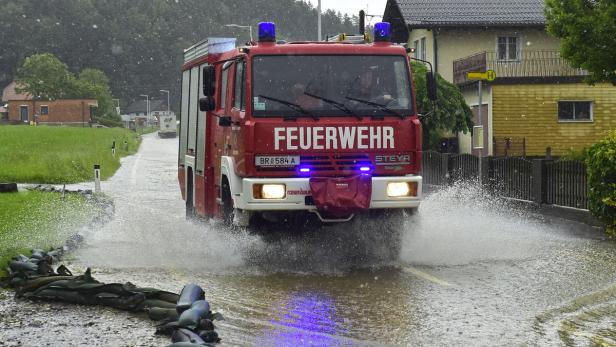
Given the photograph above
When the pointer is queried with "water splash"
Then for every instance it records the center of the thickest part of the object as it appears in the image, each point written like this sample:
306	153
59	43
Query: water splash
462	224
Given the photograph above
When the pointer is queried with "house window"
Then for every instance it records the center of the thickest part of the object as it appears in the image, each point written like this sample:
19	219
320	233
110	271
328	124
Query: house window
571	111
44	110
508	48
420	48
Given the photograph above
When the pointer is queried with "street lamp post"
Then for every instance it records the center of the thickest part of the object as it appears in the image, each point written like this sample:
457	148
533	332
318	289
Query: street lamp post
319	34
168	106
249	27
147	108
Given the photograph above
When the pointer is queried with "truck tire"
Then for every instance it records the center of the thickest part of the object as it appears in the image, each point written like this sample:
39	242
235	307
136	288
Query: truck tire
227	203
190	199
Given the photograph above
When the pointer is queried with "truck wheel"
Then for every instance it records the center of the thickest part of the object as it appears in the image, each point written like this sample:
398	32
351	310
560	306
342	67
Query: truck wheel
227	204
190	208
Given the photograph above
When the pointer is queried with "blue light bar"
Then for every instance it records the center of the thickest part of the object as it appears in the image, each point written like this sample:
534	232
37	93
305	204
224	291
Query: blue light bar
304	170
382	32
267	32
364	169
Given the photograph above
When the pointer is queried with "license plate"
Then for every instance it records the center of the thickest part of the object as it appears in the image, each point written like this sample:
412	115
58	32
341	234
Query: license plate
277	161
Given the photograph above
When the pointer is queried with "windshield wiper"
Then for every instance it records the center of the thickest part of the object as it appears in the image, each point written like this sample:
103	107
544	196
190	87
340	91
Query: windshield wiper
376	104
291	105
342	107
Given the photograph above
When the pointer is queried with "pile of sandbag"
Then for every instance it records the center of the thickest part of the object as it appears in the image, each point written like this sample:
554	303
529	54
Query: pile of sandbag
190	322
187	317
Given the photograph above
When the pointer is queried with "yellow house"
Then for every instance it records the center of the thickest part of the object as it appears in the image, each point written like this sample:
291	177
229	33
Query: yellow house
536	103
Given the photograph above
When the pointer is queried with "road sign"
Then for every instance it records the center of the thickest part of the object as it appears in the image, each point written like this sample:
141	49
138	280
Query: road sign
489	76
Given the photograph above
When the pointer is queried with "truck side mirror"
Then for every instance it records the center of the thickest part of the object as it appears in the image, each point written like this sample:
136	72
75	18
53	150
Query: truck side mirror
207	104
209	80
431	86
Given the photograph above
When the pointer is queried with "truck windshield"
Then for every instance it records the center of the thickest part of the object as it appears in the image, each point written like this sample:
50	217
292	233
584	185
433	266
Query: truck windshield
331	85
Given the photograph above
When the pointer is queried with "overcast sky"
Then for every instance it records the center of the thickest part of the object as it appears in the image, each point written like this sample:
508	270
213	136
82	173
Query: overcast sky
351	7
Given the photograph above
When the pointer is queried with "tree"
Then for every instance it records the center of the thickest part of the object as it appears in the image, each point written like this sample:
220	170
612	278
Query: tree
93	83
587	29
45	77
451	112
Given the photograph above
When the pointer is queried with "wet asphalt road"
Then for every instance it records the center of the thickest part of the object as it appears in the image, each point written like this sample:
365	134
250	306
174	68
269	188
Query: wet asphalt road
471	271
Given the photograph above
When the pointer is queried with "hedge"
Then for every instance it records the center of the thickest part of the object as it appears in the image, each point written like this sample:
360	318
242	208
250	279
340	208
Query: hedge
601	164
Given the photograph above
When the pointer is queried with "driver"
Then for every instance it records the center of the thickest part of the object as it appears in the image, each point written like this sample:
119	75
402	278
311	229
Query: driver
368	89
299	97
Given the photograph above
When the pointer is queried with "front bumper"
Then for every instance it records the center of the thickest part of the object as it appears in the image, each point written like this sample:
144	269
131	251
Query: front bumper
298	189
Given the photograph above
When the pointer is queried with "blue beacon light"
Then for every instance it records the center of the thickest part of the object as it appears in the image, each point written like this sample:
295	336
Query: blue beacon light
304	170
364	169
267	32
382	32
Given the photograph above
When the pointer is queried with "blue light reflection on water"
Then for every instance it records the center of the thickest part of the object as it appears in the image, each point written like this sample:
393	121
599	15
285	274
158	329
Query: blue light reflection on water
306	319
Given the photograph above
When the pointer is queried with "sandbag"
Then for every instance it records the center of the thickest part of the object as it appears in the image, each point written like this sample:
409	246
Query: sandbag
167	328
205	324
59	295
191	317
35	284
128	303
151	303
38	254
190	293
185	335
152	293
21	266
159	313
187	344
209	336
21	257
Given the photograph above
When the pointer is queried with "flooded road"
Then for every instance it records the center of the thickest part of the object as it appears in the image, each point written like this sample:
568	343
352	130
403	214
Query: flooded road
472	271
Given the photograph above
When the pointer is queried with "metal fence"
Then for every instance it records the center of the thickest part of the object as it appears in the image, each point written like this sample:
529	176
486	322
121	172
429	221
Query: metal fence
566	184
512	177
437	172
463	167
562	183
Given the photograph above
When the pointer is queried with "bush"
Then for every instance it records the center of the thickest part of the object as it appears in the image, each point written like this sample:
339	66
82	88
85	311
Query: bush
601	163
575	154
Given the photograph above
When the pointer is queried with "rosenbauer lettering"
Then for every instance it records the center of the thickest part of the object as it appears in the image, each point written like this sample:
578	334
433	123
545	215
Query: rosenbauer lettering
322	138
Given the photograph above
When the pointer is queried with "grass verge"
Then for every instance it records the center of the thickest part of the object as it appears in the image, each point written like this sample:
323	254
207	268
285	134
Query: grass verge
38	220
60	155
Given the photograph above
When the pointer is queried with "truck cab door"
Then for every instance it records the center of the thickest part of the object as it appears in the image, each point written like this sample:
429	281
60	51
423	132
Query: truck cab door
237	113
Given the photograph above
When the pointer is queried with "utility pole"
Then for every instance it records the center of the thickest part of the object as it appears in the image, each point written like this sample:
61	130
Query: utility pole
319	22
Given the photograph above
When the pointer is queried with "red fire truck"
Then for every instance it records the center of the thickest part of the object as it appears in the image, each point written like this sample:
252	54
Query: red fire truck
323	129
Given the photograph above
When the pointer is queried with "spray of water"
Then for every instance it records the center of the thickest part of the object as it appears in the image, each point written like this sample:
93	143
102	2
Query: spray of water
454	225
462	224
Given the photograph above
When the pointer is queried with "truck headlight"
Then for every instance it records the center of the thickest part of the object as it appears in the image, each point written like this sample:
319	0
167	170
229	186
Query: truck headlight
401	189
269	191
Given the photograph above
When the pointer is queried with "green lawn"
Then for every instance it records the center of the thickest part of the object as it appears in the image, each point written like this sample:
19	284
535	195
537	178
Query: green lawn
61	154
38	220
